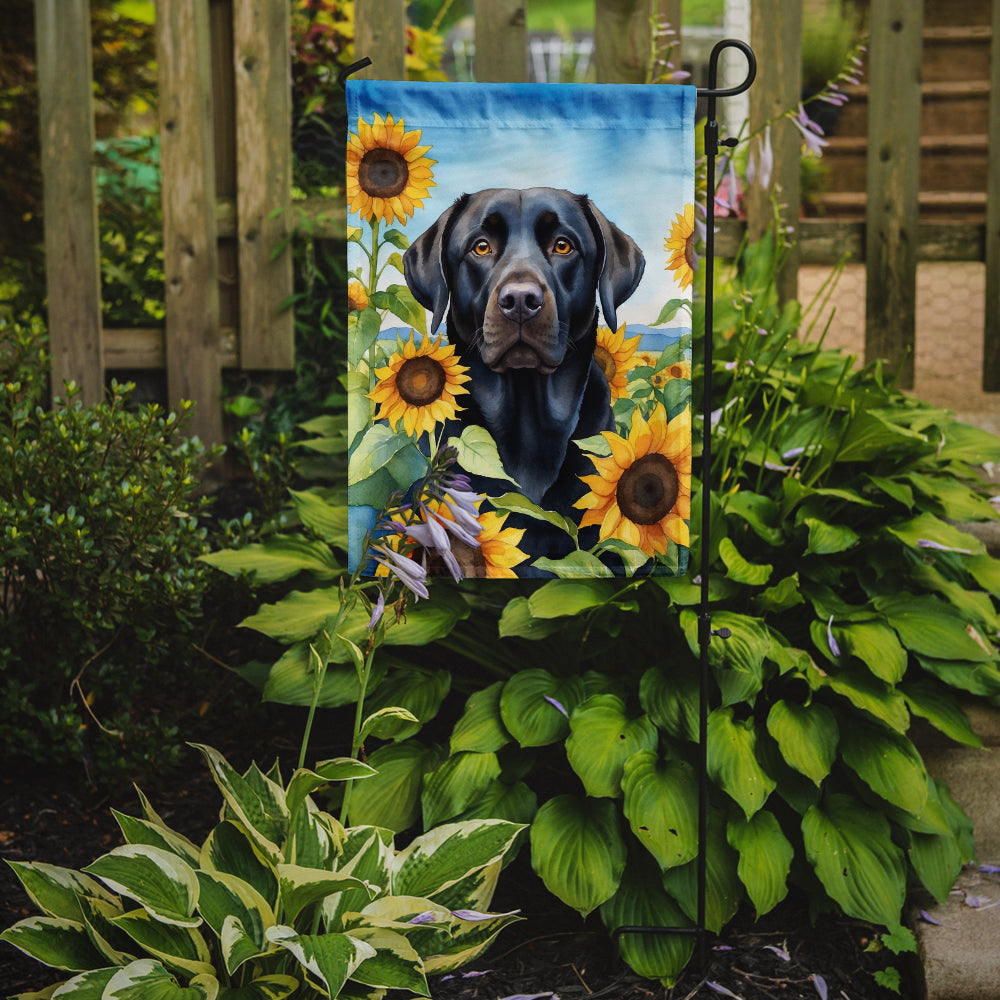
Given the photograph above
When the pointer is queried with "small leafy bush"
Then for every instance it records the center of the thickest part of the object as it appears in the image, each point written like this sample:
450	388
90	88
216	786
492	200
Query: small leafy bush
280	899
101	584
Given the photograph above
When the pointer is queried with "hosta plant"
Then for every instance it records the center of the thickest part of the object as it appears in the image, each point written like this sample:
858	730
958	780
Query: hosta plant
279	900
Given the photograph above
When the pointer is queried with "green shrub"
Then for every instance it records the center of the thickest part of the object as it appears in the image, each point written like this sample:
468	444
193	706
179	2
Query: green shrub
101	584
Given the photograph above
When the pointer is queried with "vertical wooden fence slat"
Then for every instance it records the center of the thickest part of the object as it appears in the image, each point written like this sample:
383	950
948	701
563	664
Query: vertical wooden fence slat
776	36
380	34
622	40
72	257
261	57
501	41
190	253
893	183
991	332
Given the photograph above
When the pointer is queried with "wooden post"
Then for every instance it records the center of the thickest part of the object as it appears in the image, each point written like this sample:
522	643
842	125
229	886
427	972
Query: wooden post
501	41
72	255
991	333
776	34
622	40
190	253
380	34
893	183
261	57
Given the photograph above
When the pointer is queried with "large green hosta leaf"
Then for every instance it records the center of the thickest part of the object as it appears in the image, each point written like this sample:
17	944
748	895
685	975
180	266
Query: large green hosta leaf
535	706
602	738
807	736
417	690
876	646
888	763
940	707
391	798
765	858
738	661
732	760
481	728
578	851
850	848
930	627
641	901
671	700
456	784
661	806
278	558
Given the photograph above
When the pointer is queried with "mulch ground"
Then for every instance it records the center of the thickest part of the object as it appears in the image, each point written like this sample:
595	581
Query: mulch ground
550	953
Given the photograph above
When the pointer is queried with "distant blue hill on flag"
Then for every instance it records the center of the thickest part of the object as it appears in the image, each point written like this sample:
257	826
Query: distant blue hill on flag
652	339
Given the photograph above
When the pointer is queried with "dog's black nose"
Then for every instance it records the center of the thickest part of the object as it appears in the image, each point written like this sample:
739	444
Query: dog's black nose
519	301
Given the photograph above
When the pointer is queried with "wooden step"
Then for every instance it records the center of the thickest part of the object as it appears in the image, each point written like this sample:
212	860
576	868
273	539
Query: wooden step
947	162
956	53
957	206
946	105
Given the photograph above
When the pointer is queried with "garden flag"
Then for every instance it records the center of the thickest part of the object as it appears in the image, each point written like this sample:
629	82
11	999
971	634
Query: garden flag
519	337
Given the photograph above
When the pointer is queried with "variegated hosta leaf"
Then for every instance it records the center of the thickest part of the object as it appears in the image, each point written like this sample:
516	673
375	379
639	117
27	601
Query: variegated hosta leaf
535	706
807	736
315	838
732	760
177	947
367	853
328	959
230	849
256	801
642	902
441	857
56	891
456	784
116	946
225	897
274	987
158	880
86	986
765	858
481	727
578	851
475	891
149	980
395	964
54	941
301	887
723	889
602	737
467	941
304	782
141	831
661	805
850	847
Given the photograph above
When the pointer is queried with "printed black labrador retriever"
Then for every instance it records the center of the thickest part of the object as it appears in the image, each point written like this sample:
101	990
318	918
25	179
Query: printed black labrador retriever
519	274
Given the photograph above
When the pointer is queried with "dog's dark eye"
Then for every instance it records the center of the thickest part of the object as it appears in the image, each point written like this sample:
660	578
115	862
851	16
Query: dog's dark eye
562	246
482	248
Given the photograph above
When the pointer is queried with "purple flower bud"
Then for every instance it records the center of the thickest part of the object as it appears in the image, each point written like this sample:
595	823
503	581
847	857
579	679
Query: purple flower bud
558	705
927	543
377	612
411	574
427	917
820	983
834	648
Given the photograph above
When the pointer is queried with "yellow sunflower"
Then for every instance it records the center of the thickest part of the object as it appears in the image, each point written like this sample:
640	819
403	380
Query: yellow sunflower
680	245
642	492
357	296
616	356
419	386
677	370
387	172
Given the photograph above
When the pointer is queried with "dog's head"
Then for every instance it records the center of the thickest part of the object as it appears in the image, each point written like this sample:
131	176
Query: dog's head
519	273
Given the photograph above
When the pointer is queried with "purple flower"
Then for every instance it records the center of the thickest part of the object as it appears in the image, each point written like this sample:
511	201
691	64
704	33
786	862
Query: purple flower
719	988
780	952
820	983
377	612
475	915
427	917
927	543
811	132
552	701
411	574
834	648
761	162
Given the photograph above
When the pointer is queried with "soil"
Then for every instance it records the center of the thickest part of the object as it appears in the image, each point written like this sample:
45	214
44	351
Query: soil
550	953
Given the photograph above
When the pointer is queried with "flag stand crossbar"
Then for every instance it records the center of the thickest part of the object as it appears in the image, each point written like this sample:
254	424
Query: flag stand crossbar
705	630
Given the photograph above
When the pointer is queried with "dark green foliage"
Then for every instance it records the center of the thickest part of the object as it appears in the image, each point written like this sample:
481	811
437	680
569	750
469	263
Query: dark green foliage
99	539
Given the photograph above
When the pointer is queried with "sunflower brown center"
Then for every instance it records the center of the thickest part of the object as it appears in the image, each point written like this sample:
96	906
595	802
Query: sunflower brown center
689	254
383	173
420	381
648	489
606	361
675	371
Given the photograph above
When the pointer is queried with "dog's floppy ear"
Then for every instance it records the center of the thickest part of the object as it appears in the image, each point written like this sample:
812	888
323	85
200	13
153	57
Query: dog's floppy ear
623	265
423	266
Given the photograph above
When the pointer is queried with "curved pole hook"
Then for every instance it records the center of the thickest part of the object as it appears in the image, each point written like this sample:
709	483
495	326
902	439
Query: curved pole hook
713	69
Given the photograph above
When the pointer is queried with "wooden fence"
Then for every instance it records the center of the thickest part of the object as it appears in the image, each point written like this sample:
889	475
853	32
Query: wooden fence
226	161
